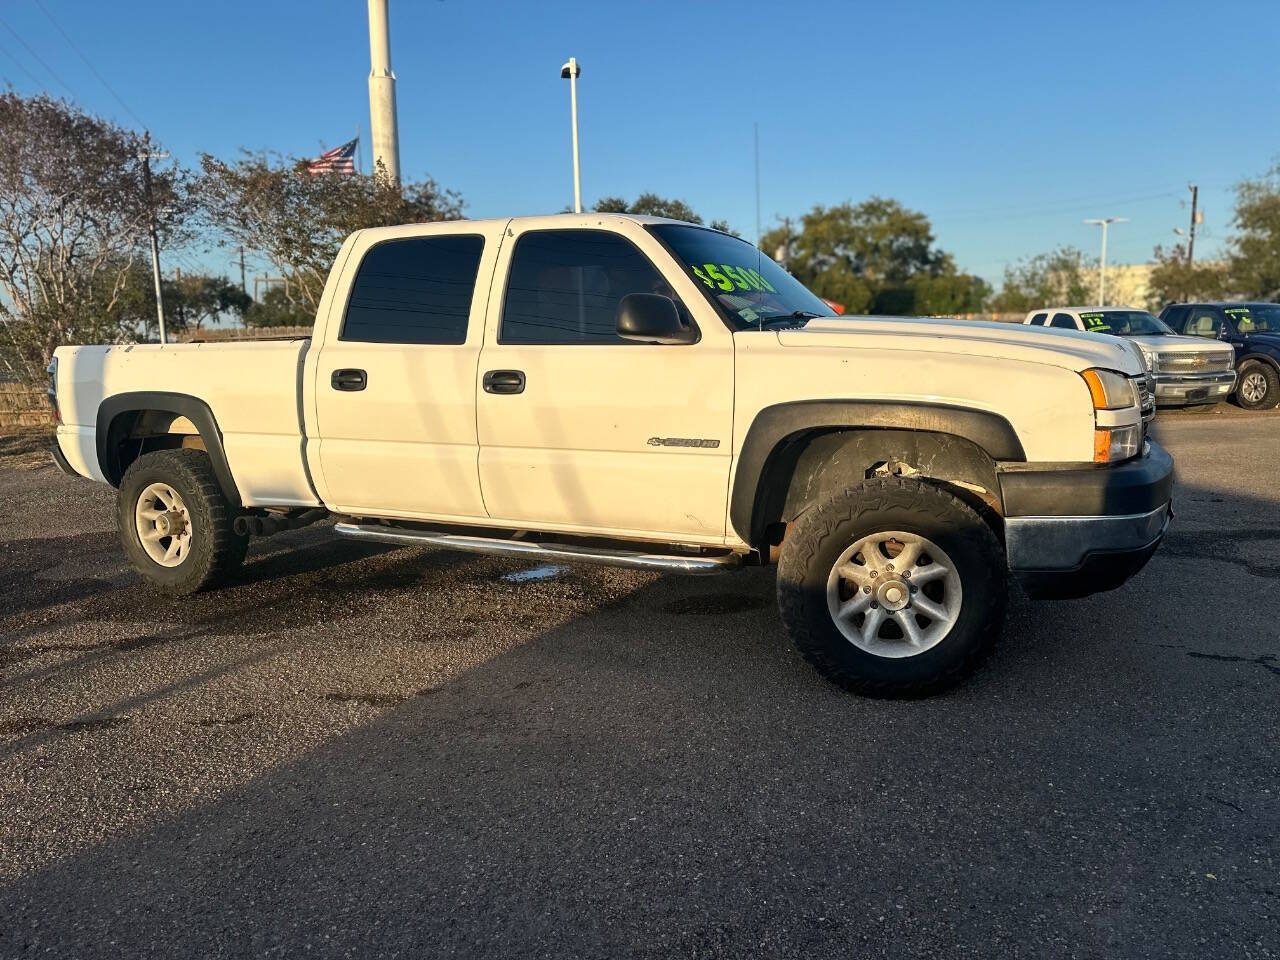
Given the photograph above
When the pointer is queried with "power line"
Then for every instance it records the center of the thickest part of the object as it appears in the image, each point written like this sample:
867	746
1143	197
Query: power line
92	69
35	56
19	64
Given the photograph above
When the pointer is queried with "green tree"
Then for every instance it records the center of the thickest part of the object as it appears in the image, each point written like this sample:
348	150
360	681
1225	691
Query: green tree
277	309
652	205
1255	249
1043	280
1173	279
73	221
875	257
192	300
298	220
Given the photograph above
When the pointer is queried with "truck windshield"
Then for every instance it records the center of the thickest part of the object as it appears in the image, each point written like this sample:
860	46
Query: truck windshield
1256	318
752	290
1125	323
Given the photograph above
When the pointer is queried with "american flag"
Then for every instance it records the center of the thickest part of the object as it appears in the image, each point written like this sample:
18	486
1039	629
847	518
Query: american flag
338	160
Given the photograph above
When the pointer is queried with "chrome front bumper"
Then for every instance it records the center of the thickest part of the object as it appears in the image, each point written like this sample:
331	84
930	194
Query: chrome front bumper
1064	543
1174	389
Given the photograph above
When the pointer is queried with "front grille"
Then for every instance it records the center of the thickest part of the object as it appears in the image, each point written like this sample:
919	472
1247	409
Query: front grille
1146	396
1198	362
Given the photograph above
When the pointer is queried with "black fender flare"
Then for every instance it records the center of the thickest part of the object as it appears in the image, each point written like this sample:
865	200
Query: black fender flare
193	408
1266	358
775	428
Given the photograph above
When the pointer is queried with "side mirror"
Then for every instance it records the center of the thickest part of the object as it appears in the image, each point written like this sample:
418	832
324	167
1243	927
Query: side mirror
652	318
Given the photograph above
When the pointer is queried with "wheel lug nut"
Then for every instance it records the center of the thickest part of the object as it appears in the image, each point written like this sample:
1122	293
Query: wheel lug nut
874	574
906	574
914	588
866	589
889	566
874	605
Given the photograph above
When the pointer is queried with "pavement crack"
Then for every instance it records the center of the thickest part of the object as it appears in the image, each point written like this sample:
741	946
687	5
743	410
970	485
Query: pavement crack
368	699
1266	662
25	725
232	721
1207	545
1227	803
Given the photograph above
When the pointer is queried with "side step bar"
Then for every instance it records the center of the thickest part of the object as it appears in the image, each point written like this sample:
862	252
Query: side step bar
568	553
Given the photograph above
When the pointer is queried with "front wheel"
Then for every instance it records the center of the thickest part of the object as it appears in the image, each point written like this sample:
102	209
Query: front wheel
893	588
1259	386
175	522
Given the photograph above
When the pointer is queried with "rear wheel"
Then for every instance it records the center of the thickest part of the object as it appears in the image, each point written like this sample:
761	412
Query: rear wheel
894	588
1259	386
175	522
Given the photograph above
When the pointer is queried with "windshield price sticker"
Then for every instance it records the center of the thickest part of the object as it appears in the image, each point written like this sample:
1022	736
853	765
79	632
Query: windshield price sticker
1094	321
727	277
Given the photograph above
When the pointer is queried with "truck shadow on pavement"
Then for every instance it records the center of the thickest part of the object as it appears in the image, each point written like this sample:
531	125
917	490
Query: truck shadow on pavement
362	751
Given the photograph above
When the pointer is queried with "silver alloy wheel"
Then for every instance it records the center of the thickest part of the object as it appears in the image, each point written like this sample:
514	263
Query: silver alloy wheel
894	594
163	524
1253	387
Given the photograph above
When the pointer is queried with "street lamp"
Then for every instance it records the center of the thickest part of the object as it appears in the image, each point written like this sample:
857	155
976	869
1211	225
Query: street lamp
1102	260
571	71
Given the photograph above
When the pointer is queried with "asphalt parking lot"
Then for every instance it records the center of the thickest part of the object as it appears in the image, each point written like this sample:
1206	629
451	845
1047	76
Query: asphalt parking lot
365	751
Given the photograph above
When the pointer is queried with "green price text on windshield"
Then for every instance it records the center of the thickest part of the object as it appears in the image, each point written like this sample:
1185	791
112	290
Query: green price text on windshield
727	277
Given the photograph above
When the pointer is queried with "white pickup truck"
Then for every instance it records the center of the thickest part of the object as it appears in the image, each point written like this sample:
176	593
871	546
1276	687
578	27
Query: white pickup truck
649	393
1185	371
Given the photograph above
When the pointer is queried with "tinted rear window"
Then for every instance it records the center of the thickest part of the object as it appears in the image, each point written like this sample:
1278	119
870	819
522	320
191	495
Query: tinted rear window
415	290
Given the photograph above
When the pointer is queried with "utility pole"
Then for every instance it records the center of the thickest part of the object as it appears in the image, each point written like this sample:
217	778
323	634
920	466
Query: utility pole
1191	235
146	157
786	243
382	94
1104	222
243	288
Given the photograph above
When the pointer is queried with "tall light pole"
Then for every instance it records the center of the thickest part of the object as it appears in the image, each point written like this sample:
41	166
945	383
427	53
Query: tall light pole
1104	222
382	93
147	156
571	71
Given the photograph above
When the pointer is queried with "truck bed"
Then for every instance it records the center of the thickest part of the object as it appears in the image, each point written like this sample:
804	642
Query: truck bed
252	387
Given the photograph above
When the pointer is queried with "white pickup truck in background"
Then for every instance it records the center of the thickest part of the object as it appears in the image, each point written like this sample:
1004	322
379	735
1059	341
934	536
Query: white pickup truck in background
1186	370
648	393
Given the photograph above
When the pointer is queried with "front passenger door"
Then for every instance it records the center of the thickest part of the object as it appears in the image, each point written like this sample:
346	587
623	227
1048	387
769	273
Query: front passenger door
581	430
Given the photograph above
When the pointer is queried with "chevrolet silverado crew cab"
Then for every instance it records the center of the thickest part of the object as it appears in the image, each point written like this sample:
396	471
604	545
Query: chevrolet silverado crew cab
647	393
1186	370
1252	329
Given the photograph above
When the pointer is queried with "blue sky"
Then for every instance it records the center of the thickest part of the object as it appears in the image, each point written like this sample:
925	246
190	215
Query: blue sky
1006	123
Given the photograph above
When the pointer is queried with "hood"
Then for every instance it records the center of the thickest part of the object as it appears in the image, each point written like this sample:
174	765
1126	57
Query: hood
1070	349
1178	343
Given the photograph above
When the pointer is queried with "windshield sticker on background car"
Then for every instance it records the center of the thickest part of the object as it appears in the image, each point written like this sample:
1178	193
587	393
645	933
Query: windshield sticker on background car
1094	322
727	277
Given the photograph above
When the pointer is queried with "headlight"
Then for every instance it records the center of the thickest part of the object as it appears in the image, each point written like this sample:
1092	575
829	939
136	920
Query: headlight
1110	390
1116	443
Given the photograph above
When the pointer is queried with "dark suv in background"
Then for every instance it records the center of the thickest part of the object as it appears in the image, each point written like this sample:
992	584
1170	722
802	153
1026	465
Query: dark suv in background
1253	329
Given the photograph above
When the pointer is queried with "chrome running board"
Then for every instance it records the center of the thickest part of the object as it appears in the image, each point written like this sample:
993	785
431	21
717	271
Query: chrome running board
694	565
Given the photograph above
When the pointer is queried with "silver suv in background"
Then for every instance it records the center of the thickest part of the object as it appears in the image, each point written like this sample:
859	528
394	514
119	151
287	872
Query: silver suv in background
1187	370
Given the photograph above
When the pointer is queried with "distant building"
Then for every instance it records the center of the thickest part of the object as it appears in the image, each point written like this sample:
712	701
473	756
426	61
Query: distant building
1128	284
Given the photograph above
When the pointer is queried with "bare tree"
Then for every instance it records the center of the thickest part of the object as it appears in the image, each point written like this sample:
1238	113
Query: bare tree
298	220
73	218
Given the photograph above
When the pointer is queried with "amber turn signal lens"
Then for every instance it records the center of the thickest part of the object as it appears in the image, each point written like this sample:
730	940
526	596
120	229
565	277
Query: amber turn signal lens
1096	391
1101	445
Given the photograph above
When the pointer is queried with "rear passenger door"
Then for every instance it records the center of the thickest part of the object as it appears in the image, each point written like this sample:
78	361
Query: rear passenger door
394	381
